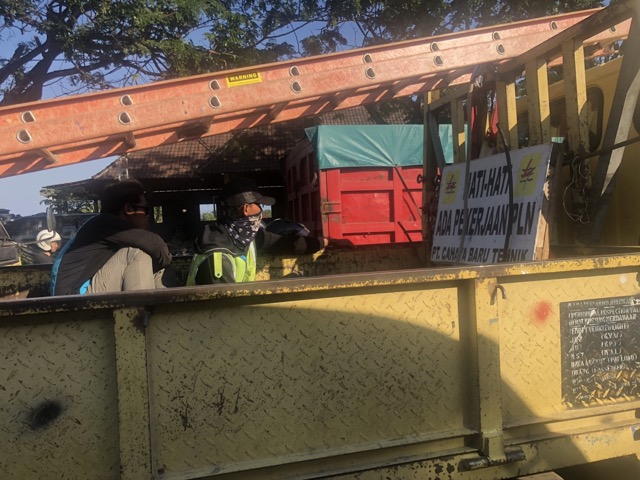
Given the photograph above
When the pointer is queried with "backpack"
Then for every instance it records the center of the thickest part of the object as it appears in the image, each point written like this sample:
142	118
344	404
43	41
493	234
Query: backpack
219	265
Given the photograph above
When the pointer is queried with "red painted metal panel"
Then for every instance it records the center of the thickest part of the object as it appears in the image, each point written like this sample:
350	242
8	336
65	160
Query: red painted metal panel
367	206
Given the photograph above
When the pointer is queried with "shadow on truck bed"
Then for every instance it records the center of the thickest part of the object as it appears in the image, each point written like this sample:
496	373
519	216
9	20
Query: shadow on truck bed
406	375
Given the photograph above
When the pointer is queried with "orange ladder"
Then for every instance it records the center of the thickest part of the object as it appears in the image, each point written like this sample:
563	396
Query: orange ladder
68	130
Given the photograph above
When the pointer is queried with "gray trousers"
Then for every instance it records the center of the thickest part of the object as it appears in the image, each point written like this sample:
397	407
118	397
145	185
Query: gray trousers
129	269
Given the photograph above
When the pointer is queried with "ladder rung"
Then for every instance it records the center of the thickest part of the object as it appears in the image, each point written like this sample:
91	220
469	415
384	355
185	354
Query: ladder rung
47	155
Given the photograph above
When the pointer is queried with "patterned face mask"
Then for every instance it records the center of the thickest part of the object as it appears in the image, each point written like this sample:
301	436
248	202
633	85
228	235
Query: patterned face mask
243	230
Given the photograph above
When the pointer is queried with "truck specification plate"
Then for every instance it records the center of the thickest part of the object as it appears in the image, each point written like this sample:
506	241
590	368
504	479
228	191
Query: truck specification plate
600	351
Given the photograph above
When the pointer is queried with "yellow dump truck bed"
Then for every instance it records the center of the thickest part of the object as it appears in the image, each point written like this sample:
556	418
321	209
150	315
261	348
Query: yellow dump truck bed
428	373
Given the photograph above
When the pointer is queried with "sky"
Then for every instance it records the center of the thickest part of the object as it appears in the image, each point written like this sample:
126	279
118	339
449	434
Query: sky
21	194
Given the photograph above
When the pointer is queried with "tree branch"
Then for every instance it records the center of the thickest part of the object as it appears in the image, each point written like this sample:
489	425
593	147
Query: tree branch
18	60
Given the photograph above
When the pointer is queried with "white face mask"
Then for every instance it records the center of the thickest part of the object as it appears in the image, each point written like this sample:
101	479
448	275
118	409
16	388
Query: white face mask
255	221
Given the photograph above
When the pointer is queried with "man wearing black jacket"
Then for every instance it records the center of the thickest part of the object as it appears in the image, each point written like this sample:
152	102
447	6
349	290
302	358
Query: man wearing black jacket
237	236
113	251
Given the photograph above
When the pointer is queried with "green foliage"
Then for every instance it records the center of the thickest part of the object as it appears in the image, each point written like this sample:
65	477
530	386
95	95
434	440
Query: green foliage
94	44
75	46
69	200
158	214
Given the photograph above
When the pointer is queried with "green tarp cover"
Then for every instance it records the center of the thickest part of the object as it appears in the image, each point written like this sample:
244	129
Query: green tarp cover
340	146
345	146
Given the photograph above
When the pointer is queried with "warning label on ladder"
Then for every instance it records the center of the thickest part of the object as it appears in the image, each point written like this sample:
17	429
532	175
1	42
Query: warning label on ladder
243	79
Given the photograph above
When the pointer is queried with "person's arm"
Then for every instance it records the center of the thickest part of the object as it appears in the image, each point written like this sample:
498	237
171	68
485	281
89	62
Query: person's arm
149	242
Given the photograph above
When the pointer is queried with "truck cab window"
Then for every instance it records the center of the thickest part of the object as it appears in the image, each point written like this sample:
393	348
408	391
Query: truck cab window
158	216
207	212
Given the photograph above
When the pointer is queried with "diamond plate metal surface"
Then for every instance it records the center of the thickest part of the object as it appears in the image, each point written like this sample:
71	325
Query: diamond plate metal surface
58	398
530	338
345	373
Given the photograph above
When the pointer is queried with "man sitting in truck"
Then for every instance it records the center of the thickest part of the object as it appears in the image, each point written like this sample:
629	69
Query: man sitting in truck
226	249
113	251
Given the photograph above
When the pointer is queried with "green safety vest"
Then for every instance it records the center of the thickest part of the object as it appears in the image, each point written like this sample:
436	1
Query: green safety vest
243	266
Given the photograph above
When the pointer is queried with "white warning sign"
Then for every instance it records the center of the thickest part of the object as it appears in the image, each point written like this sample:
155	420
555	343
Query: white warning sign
491	221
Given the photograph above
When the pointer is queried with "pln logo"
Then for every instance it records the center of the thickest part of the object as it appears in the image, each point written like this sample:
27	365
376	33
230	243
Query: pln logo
450	187
527	176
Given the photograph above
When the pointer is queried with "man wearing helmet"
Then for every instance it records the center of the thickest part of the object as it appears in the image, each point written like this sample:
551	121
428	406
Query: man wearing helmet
46	245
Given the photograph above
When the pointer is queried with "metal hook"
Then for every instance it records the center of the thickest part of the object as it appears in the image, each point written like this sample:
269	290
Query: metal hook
495	291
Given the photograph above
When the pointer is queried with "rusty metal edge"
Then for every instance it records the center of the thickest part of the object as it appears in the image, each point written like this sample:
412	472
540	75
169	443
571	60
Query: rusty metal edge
320	284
